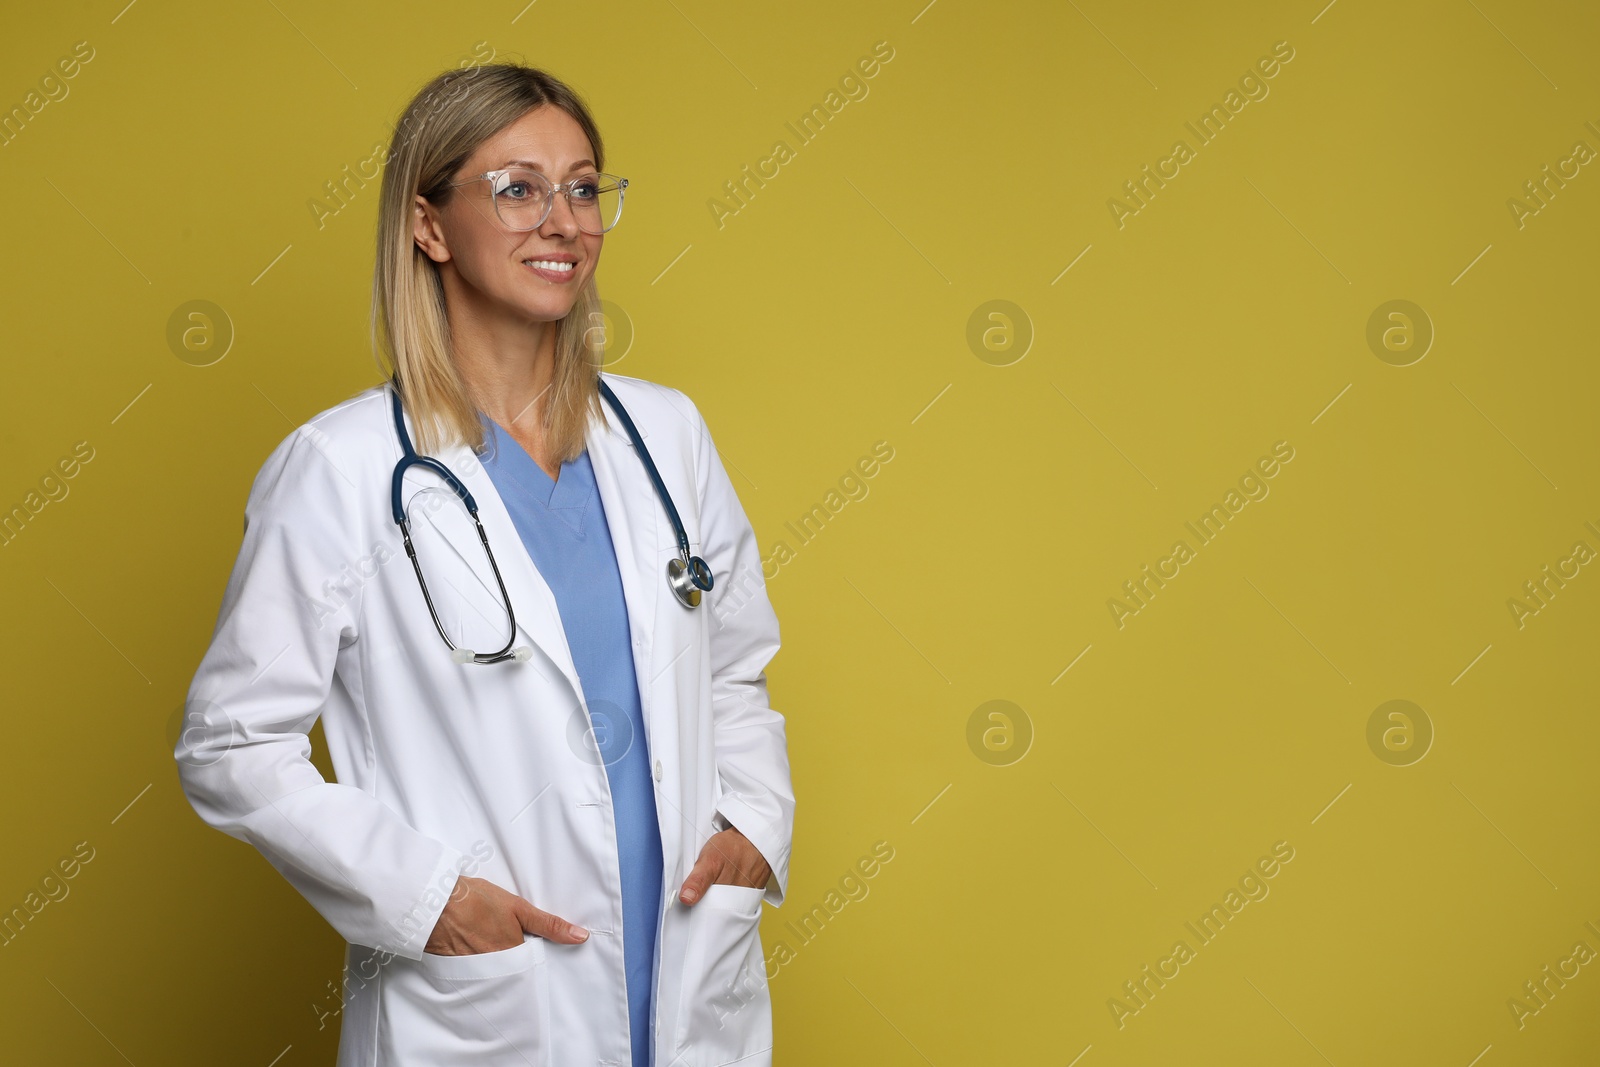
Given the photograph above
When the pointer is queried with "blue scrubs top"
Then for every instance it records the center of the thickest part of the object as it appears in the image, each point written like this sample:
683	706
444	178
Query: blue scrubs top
563	525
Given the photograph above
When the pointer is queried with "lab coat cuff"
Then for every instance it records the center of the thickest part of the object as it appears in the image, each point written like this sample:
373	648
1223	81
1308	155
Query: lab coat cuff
768	839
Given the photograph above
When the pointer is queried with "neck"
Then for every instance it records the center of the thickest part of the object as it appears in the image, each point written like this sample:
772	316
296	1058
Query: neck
507	363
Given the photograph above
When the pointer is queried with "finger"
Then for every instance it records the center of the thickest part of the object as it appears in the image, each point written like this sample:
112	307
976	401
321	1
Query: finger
547	926
704	873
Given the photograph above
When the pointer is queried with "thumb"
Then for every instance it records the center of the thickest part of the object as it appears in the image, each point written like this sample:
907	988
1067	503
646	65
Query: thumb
547	926
700	878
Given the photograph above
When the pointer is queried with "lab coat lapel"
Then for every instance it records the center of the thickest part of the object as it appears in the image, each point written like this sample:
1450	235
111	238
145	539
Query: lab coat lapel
632	513
538	616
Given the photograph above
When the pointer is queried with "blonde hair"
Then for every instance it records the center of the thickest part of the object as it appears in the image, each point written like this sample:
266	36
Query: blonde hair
440	129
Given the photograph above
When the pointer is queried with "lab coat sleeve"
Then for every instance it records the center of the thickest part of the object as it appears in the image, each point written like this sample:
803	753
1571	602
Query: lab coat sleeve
751	747
244	755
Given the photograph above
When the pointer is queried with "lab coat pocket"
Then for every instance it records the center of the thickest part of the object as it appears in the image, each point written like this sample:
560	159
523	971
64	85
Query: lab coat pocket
725	1014
490	1009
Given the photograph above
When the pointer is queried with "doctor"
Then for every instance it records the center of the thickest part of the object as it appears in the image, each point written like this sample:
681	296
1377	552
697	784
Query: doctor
561	795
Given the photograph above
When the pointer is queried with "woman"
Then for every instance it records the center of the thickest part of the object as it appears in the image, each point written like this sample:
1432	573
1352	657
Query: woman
555	854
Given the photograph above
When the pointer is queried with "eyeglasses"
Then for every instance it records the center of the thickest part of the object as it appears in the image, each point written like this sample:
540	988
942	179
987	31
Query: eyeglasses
522	198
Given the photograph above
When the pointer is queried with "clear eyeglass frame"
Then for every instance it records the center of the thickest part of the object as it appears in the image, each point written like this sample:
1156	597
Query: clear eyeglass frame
495	178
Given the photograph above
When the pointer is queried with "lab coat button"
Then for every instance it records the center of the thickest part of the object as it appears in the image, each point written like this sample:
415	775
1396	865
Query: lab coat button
658	770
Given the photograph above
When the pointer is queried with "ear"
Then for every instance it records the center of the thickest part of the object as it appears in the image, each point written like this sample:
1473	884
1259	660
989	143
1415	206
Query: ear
426	231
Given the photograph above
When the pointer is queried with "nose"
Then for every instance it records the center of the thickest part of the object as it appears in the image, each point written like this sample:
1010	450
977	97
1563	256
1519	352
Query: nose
561	219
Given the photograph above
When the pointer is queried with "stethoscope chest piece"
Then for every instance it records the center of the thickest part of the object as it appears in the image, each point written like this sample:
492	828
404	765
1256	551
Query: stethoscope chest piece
687	581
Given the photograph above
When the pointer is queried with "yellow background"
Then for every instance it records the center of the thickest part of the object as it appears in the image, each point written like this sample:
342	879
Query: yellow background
828	314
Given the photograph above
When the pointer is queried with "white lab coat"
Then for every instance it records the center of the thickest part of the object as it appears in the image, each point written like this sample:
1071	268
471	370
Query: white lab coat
488	770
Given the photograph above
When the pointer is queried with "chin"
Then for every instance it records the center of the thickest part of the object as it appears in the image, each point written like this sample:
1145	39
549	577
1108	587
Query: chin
545	310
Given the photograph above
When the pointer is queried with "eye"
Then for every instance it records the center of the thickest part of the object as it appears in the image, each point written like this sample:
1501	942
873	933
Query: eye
519	186
586	188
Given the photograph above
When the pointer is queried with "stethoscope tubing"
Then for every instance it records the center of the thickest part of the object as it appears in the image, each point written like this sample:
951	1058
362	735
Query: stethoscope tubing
687	576
694	564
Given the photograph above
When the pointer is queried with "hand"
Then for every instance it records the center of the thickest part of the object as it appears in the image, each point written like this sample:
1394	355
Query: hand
482	917
728	859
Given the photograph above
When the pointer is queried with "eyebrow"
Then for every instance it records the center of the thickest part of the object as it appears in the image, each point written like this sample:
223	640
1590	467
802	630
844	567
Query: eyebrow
580	164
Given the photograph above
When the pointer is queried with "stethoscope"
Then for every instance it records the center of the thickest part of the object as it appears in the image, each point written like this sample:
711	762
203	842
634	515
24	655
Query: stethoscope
687	574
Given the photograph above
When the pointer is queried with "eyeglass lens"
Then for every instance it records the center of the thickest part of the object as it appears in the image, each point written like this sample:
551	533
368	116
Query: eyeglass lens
522	200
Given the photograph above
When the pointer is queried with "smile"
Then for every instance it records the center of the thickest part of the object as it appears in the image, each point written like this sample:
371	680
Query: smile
551	269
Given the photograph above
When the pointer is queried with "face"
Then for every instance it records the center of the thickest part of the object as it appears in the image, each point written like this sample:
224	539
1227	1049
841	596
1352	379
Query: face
486	266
